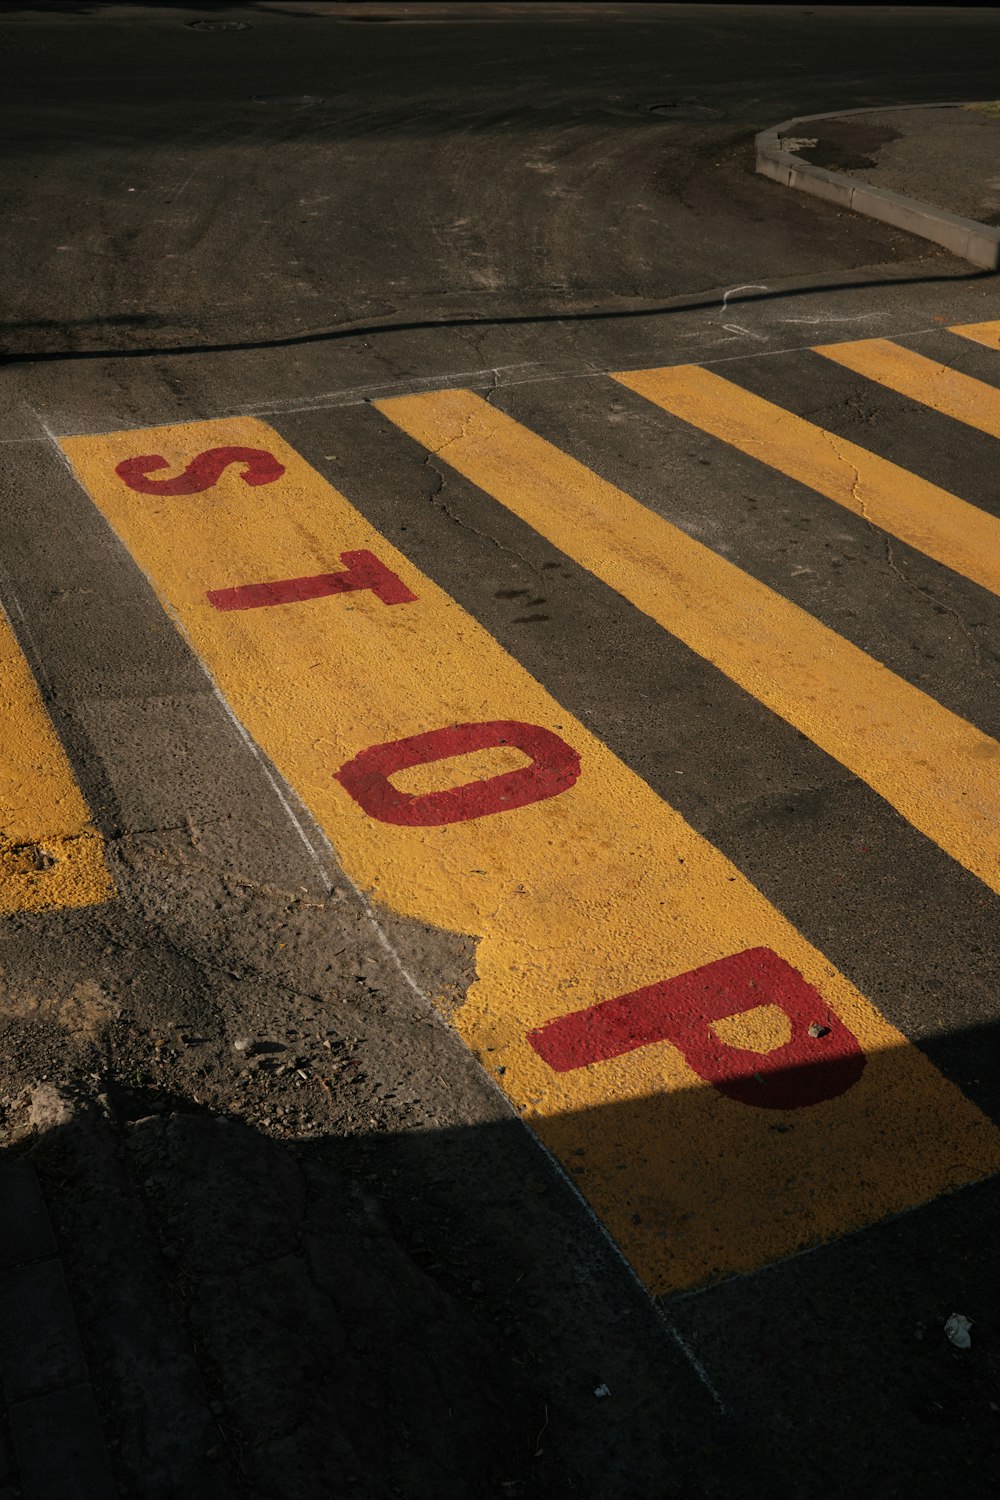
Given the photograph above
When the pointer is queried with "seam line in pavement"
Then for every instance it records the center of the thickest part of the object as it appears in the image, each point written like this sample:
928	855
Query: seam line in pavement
365	396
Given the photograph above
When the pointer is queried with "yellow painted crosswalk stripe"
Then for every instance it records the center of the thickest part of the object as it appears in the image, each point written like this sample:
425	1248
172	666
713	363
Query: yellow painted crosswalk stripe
931	520
456	790
925	380
979	333
935	768
50	854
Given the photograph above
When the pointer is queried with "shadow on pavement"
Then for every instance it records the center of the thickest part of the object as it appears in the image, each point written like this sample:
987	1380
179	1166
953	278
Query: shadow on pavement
433	1313
419	1315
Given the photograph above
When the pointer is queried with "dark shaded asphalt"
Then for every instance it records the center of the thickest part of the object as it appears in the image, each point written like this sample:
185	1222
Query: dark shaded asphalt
172	186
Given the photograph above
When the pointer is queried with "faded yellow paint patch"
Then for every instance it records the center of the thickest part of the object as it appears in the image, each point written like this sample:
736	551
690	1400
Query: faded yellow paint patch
930	519
935	385
50	855
583	896
934	767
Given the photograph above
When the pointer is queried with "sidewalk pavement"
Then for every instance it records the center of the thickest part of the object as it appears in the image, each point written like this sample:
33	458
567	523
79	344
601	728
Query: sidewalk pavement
931	169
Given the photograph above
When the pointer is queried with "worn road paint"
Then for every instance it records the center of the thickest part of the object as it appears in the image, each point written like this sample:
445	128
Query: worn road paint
931	520
925	380
580	889
50	854
934	767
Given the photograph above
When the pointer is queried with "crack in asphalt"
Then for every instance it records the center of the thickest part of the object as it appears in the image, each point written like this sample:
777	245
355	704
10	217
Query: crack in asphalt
856	494
436	499
897	572
949	609
435	495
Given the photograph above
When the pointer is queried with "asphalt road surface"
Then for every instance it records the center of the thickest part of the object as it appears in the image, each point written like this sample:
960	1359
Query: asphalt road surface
501	676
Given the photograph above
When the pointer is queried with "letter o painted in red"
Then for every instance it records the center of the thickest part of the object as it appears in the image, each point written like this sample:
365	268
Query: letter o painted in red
554	768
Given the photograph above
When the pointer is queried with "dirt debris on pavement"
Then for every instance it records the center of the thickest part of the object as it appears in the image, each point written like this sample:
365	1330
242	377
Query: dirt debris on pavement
292	1274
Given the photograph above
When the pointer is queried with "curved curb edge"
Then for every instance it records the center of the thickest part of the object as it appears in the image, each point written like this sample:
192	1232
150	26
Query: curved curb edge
975	242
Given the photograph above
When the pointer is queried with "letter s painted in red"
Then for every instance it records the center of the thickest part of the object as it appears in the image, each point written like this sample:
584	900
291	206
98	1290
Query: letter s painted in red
201	473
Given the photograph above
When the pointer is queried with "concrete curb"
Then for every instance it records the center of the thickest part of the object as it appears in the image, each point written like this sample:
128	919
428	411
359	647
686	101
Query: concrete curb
975	242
